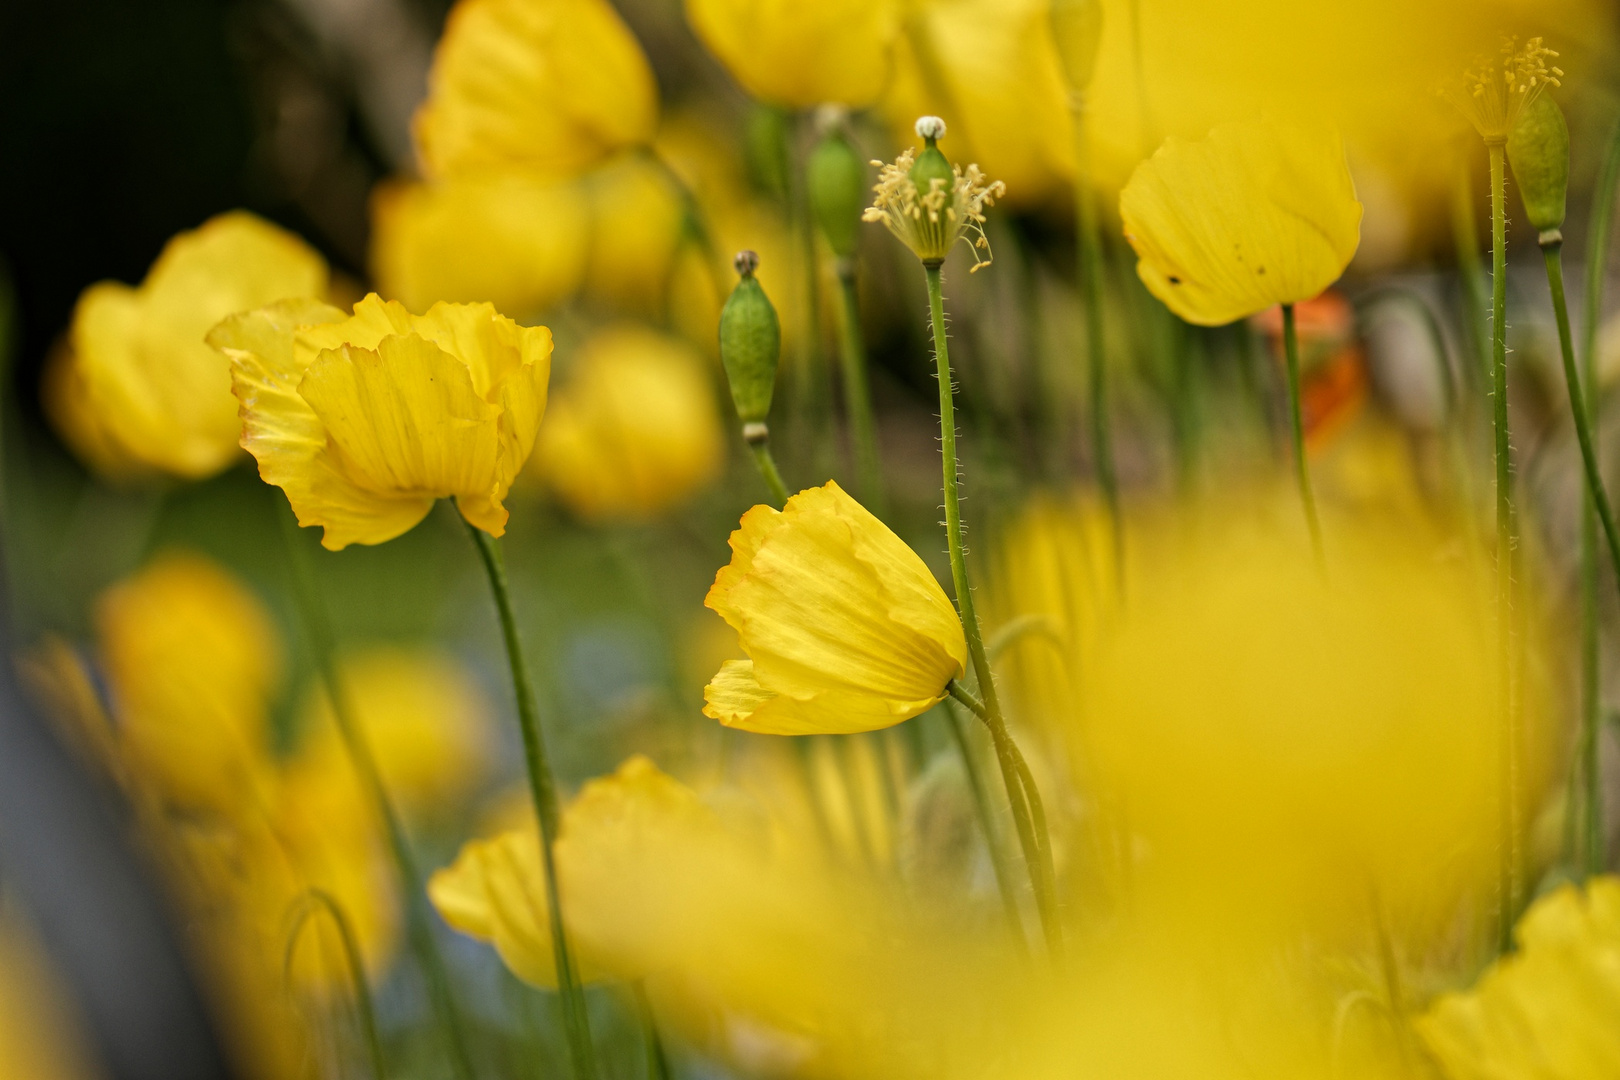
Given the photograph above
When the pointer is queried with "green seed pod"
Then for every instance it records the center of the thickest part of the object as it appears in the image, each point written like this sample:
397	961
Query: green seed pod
836	178
750	344
931	164
1538	150
1077	33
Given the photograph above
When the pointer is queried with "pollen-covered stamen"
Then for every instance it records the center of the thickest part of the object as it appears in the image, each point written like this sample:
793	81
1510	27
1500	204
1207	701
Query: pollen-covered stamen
931	224
1496	90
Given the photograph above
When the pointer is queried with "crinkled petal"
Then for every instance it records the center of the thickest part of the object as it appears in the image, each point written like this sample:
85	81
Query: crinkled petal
736	699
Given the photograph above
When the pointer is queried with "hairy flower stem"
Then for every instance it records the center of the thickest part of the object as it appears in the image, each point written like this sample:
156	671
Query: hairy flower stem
858	393
419	920
317	900
1507	885
1296	425
987	824
543	791
759	444
1021	793
1089	240
1597	258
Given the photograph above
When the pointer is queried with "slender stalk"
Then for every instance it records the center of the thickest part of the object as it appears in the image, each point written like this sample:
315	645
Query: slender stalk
657	1059
320	900
419	920
1507	870
1472	271
1026	812
858	393
987	824
1592	851
759	444
1296	424
543	791
1089	239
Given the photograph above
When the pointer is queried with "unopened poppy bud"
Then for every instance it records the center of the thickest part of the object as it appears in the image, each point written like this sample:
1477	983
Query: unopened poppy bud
1538	150
750	343
836	177
1077	33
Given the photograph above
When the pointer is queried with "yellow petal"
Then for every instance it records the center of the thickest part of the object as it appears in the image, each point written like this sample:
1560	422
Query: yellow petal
736	699
549	85
1254	215
800	55
286	437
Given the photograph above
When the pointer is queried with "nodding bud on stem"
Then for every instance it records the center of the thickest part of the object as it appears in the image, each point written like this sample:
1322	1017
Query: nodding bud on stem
1538	150
750	344
1077	33
836	182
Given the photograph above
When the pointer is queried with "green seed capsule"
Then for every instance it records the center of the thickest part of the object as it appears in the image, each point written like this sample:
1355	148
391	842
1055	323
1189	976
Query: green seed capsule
836	178
1538	150
1077	33
750	343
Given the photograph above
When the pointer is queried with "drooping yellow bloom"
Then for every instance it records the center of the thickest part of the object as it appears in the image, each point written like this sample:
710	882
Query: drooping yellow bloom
635	431
801	55
549	85
1548	1010
365	421
426	723
1255	214
190	657
136	390
509	239
845	627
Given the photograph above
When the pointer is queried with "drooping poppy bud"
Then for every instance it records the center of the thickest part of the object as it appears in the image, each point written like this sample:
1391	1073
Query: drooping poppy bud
1538	150
836	178
1077	33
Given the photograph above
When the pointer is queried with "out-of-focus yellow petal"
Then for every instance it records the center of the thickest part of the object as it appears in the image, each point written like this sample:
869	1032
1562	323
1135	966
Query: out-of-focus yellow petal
137	391
364	422
1547	1010
801	55
836	613
549	85
635	431
636	216
1256	214
509	239
38	1040
190	657
495	891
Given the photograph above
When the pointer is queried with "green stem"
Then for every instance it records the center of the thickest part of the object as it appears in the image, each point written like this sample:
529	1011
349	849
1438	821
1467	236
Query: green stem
1597	260
320	900
1089	239
1037	851
987	824
1472	271
858	393
419	920
543	791
1508	825
657	1059
759	444
1296	424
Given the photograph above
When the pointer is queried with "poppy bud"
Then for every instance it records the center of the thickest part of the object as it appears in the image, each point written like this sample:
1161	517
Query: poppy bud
1077	33
836	177
750	344
1538	150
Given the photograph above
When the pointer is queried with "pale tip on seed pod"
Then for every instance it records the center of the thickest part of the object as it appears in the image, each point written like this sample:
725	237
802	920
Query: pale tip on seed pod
930	127
746	262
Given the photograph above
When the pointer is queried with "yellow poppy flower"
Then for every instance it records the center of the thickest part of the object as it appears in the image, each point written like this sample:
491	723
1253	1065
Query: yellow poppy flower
365	421
512	240
427	725
801	55
635	231
549	85
635	431
845	628
190	657
1254	215
136	391
1547	1010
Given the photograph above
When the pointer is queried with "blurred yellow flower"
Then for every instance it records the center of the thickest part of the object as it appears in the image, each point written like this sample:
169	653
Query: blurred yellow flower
38	1040
509	239
1547	1010
1255	214
427	724
635	431
635	231
845	627
365	421
136	391
549	85
190	657
801	55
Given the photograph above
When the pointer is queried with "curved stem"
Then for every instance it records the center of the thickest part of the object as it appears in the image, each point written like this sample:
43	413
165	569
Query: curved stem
320	900
858	393
760	447
1507	870
1089	241
987	824
543	791
1296	424
419	920
1037	852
